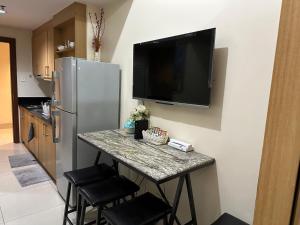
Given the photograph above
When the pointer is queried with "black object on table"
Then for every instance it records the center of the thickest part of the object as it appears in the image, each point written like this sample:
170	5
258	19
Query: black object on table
145	209
139	126
227	219
80	177
158	164
102	193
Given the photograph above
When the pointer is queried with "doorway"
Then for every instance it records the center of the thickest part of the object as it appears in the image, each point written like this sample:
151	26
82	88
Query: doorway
9	116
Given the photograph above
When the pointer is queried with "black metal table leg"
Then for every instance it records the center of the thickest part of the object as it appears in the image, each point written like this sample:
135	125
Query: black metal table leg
166	200
176	200
116	166
191	198
97	158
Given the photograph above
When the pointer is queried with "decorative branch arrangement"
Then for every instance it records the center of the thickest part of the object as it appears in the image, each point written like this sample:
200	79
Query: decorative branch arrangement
98	30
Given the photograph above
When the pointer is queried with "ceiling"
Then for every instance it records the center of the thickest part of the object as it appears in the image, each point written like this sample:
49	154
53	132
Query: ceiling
29	14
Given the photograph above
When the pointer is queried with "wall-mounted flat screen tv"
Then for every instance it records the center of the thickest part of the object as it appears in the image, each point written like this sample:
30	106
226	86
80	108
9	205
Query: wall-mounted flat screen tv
176	69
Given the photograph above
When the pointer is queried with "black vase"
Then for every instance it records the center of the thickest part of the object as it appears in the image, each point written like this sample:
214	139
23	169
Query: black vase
139	126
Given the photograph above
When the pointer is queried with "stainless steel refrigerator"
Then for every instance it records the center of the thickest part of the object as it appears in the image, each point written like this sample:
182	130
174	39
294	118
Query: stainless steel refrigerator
85	98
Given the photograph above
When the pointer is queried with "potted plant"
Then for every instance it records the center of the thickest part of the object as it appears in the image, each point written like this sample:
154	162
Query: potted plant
138	121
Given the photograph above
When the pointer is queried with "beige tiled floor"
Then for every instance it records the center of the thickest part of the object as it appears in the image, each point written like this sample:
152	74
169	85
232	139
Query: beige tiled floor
38	204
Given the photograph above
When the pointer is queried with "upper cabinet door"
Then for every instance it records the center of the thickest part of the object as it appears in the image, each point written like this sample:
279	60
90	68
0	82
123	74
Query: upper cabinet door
50	55
39	53
43	51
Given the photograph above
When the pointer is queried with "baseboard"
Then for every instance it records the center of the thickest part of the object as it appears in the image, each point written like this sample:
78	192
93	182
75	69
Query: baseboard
6	125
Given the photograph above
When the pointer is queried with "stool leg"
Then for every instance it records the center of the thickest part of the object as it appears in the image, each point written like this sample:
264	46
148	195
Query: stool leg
78	208
98	221
67	204
83	212
166	220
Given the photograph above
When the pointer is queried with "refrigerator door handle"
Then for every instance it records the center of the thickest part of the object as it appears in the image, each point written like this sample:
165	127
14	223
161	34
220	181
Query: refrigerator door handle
56	138
53	88
55	78
53	81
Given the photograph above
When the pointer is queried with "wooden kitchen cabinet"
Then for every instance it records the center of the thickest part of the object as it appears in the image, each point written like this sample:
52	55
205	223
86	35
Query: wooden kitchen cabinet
43	51
47	151
39	53
50	151
67	25
33	145
50	51
41	146
41	137
24	114
70	25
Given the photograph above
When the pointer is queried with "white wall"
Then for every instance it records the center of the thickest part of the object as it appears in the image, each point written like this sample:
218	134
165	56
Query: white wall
28	86
232	129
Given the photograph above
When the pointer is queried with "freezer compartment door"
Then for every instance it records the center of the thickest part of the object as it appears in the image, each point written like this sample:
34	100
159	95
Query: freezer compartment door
65	148
64	79
98	96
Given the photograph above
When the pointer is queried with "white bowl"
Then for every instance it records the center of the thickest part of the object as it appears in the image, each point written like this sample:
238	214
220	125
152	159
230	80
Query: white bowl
60	47
71	44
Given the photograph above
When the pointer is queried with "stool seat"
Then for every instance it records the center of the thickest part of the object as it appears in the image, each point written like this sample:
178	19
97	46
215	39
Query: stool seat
90	174
143	210
227	219
109	190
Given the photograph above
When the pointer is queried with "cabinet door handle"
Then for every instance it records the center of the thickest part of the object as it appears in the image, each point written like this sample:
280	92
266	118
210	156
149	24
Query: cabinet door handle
46	134
46	71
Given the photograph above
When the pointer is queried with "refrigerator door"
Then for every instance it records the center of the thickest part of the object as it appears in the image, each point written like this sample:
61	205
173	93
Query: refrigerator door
98	96
64	78
98	104
65	123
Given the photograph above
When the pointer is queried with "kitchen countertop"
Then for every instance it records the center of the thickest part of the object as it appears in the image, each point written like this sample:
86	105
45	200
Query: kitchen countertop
38	111
159	163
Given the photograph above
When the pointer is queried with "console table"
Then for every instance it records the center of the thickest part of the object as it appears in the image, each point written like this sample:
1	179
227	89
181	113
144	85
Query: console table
158	164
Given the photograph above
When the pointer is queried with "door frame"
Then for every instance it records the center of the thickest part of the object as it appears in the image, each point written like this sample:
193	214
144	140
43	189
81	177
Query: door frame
14	86
280	160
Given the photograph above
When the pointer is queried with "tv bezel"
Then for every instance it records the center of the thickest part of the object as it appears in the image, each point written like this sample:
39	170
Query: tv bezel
209	78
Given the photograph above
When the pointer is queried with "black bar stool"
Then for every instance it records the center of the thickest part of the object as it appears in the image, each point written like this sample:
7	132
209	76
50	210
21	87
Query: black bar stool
102	193
227	219
81	177
143	210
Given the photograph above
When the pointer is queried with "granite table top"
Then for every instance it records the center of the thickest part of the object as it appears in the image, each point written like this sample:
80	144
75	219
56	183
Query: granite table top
158	163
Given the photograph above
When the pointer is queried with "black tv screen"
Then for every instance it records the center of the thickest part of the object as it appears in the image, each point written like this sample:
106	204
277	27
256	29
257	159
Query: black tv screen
176	69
